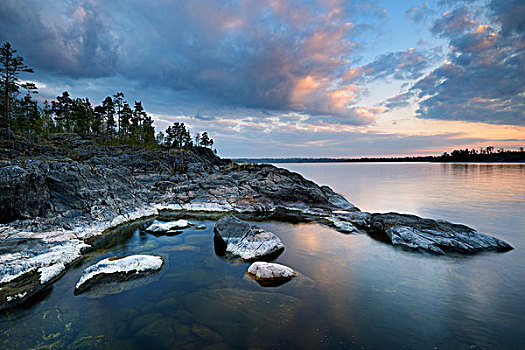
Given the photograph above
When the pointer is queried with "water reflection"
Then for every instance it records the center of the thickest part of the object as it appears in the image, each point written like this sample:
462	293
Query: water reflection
352	292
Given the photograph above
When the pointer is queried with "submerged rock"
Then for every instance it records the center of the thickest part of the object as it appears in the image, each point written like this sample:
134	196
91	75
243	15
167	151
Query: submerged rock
247	241
270	274
118	269
242	316
168	227
435	236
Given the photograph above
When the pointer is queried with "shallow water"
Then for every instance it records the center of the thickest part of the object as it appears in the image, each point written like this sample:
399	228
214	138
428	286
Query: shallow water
353	291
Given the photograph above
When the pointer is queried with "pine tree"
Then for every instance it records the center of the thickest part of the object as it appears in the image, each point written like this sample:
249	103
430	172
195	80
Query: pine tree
127	115
118	102
137	121
108	110
206	140
26	114
63	108
11	65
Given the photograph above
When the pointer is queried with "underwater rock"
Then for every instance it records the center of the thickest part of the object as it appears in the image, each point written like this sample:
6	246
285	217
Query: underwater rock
118	269
206	333
173	226
247	241
439	237
242	316
270	274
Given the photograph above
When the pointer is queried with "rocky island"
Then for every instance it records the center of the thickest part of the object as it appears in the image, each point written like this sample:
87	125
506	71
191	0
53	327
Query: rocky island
60	195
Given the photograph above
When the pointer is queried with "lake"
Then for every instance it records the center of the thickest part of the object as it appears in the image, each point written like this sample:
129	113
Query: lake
353	292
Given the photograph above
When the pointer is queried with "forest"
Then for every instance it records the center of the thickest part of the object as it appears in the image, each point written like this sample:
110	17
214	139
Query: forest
114	119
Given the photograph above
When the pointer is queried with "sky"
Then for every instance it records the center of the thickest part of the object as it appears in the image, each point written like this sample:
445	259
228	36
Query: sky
291	78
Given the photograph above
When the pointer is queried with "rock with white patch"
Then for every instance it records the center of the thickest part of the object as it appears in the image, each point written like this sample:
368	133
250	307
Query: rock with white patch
249	242
118	269
268	274
161	227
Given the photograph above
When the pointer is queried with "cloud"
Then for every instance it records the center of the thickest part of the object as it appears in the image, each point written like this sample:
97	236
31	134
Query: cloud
402	65
419	13
483	77
253	54
81	44
453	23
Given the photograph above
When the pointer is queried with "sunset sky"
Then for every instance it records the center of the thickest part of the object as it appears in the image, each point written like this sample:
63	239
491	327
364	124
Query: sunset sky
276	78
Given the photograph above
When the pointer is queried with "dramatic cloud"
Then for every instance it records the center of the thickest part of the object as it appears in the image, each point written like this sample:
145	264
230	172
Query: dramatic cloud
277	55
402	65
453	23
483	78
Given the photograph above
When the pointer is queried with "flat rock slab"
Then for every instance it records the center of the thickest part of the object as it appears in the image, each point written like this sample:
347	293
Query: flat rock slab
270	274
172	226
246	241
118	269
439	237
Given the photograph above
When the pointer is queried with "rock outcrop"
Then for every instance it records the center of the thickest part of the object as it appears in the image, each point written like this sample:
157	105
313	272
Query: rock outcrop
270	274
60	194
249	242
439	237
118	269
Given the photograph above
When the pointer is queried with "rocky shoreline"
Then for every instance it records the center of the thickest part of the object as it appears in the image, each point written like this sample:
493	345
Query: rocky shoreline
59	196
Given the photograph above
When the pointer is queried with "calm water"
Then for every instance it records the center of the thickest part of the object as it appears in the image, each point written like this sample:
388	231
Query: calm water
353	292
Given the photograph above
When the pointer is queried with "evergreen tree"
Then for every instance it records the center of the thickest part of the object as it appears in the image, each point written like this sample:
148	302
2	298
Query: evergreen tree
108	110
11	65
127	115
206	140
137	121
47	118
82	114
118	102
63	109
97	120
26	115
148	131
178	136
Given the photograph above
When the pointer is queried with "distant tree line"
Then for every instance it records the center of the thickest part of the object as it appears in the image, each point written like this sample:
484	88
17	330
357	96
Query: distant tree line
485	154
114	117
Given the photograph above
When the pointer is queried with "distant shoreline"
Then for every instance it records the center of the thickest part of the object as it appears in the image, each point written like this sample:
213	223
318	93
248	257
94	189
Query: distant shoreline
505	157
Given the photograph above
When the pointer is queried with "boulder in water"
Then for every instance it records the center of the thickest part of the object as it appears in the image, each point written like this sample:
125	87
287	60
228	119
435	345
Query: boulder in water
435	236
172	226
270	274
118	269
249	242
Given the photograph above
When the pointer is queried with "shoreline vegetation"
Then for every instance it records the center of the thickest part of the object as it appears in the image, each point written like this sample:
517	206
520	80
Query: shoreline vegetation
484	155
